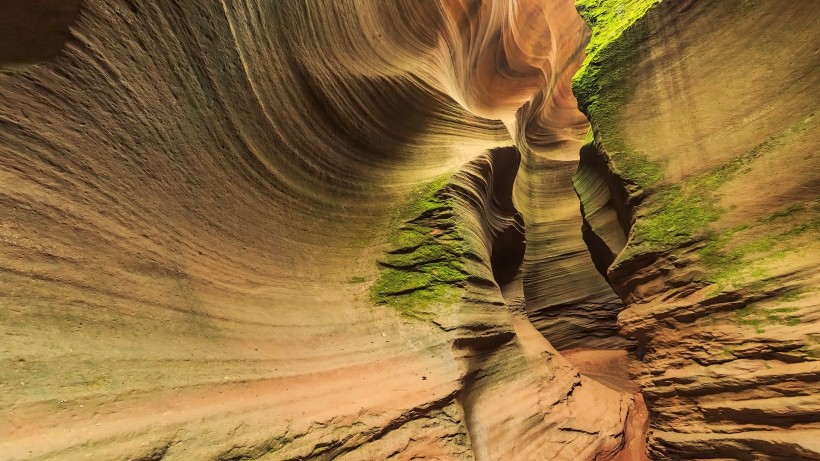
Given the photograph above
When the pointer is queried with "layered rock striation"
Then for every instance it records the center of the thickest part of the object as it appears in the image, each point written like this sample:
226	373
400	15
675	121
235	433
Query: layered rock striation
700	196
297	230
351	230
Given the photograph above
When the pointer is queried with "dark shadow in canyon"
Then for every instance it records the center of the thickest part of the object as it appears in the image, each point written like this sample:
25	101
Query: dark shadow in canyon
33	31
509	243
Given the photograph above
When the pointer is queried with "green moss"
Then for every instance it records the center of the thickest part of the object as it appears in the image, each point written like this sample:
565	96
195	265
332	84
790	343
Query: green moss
721	263
424	304
785	213
397	282
800	229
608	19
792	295
590	136
636	168
602	84
757	317
356	279
427	252
424	267
726	264
424	200
612	52
680	211
675	216
811	346
676	213
409	239
731	263
447	272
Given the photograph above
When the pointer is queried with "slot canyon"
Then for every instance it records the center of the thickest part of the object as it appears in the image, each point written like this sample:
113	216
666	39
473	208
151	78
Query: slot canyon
492	230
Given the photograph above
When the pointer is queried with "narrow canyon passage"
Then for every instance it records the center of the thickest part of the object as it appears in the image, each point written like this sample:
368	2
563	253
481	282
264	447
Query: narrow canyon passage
284	228
408	230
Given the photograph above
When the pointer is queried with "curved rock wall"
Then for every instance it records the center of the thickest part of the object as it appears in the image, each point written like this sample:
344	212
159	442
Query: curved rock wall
193	200
700	194
566	298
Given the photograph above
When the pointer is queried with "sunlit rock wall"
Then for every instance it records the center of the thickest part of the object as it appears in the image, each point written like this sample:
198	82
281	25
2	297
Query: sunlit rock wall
700	195
194	200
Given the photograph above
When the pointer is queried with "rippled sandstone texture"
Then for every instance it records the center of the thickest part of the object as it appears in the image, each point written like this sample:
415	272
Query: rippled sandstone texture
295	230
700	195
343	230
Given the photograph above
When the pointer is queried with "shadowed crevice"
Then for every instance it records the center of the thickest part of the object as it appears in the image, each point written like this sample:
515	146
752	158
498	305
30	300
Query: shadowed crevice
508	252
34	31
509	242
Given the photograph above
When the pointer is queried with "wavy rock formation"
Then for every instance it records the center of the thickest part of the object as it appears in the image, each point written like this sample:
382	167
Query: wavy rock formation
364	230
700	197
297	230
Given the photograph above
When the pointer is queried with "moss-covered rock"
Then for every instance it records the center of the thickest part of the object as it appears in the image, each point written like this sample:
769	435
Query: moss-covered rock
423	266
602	86
676	213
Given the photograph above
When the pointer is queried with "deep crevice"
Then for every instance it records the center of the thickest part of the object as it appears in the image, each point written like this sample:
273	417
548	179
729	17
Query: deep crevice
508	252
509	242
605	208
